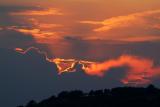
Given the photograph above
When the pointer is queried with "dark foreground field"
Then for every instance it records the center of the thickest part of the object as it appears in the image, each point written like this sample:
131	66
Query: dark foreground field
116	97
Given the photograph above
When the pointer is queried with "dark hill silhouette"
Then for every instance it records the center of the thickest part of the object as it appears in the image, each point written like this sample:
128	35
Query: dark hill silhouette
116	97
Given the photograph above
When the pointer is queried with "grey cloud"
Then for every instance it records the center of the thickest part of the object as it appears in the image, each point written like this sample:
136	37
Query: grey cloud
30	76
8	20
23	77
13	39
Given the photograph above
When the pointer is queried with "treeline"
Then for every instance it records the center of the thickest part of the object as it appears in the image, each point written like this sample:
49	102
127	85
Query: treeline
116	97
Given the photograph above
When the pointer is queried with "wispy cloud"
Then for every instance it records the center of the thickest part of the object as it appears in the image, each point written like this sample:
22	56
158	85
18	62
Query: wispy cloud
141	26
41	32
36	23
39	35
49	11
122	21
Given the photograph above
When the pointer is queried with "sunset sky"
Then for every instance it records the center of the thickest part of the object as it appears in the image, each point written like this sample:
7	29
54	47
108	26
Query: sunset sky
52	43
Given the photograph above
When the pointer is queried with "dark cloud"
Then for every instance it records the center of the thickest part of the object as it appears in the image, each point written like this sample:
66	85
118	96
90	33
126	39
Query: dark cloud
80	80
9	20
101	50
11	8
13	39
10	37
25	76
104	50
78	46
31	76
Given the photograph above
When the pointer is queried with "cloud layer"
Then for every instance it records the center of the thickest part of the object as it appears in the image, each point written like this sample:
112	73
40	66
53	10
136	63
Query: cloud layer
141	26
50	11
79	45
139	71
29	74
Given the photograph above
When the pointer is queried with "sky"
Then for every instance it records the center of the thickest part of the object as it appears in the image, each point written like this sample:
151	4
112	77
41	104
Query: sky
47	46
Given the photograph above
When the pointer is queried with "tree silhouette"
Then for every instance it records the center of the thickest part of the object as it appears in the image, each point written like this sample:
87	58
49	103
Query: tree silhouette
32	103
121	96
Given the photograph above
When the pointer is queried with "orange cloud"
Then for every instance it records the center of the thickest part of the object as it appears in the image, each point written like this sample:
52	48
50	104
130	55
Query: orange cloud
49	11
141	26
141	38
49	26
140	70
64	65
42	32
43	26
39	34
121	21
20	50
112	23
68	65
